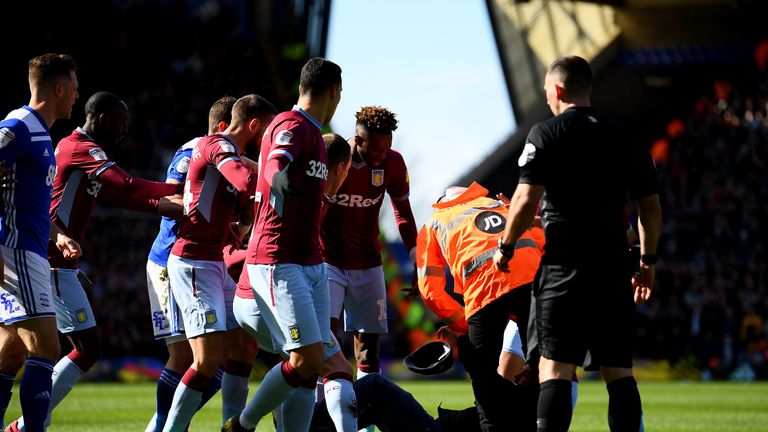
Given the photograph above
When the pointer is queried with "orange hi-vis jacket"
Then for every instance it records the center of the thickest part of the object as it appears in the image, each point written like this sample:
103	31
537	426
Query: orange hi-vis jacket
463	233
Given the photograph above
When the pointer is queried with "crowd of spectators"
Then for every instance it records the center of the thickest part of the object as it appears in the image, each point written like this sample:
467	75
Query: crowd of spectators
711	303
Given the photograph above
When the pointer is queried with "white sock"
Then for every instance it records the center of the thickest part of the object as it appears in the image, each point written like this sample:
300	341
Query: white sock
151	425
234	395
342	404
184	406
65	375
271	393
296	412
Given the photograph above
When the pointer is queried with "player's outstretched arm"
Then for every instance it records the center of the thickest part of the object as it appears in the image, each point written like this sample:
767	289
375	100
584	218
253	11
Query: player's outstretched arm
134	193
171	206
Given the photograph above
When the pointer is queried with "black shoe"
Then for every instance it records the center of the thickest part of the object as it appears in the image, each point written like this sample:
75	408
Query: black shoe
466	420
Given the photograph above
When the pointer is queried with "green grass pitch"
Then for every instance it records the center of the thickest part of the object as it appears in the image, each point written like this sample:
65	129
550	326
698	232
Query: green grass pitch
668	407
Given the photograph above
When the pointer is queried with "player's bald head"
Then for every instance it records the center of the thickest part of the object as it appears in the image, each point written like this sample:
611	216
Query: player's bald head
102	103
337	147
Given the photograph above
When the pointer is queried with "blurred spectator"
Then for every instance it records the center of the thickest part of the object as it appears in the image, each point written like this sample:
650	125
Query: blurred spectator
711	308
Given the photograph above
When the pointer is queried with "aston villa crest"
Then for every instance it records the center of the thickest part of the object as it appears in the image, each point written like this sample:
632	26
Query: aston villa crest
377	177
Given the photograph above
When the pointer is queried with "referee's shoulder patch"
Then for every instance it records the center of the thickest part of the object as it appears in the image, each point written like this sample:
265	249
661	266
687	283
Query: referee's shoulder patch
529	152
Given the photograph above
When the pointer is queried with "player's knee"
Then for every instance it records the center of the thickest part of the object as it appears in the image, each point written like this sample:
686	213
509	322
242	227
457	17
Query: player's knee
14	355
210	359
179	356
49	350
92	350
309	362
87	343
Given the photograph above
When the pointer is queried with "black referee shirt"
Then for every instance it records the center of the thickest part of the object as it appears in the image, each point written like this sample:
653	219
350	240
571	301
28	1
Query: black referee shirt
587	165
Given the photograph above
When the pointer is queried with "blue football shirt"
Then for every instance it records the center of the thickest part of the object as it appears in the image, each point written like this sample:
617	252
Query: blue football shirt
25	147
177	170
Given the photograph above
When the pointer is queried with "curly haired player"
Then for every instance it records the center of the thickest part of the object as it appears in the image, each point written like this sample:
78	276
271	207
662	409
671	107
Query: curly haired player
350	233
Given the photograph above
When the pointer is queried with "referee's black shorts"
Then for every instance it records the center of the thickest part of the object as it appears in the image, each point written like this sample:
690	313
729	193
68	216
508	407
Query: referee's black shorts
583	308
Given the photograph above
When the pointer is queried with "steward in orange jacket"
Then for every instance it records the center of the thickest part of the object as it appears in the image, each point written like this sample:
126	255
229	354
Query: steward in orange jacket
463	234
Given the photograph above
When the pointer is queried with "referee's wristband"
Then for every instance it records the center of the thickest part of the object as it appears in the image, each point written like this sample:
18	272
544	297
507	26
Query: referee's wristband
506	250
649	259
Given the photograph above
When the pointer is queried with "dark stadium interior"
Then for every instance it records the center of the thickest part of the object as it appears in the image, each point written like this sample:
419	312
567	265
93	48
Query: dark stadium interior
700	105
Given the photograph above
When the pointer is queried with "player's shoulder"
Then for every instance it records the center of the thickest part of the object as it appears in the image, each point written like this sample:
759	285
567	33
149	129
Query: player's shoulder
25	120
78	148
13	130
224	145
542	132
290	120
395	158
216	143
395	163
187	147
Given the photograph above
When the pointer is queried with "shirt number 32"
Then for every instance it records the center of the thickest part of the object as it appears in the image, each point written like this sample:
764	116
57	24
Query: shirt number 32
317	169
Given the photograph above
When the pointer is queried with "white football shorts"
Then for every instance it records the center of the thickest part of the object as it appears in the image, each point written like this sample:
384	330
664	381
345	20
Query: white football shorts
73	310
203	291
293	301
26	292
164	312
363	296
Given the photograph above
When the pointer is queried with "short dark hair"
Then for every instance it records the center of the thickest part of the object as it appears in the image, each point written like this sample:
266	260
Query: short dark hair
221	111
318	75
250	107
337	147
101	102
47	68
575	73
376	119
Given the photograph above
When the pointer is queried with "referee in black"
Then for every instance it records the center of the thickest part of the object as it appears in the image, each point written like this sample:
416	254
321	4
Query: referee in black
582	167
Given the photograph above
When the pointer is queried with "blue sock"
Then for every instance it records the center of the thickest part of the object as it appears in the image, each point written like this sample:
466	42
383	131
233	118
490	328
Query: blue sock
166	387
214	385
6	385
35	393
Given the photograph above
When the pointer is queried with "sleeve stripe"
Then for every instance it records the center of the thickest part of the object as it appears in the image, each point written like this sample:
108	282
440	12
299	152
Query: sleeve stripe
280	152
225	160
100	170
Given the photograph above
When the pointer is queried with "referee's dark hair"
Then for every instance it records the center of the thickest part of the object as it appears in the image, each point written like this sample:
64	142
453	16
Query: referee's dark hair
101	103
575	74
337	147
